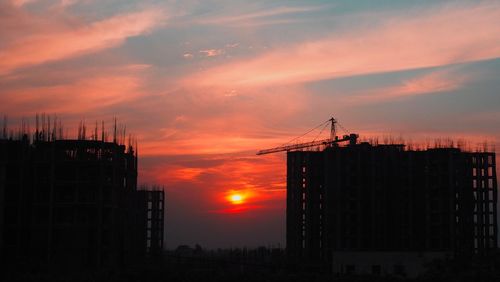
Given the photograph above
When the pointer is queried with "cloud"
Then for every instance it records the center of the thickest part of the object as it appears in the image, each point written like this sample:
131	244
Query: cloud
253	17
67	3
232	45
66	41
226	124
19	3
84	92
259	179
433	82
200	142
212	52
434	37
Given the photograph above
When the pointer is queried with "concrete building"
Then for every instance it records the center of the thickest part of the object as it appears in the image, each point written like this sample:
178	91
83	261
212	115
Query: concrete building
74	203
151	210
384	209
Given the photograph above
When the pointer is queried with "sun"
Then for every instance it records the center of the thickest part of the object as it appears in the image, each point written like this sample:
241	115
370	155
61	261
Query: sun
236	199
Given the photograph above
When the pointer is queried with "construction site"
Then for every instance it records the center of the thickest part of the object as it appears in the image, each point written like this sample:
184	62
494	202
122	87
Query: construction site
75	203
352	208
386	209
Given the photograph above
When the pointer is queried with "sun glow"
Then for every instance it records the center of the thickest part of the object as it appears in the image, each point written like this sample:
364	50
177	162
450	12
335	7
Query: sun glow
236	199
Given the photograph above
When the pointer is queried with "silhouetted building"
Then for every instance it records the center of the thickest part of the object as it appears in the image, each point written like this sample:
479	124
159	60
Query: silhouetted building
75	203
151	204
380	209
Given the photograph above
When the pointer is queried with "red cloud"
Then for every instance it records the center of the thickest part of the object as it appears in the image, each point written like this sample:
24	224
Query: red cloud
84	94
439	37
46	41
434	82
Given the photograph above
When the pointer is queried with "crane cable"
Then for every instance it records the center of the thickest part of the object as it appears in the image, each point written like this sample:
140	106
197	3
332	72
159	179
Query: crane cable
323	123
343	128
323	129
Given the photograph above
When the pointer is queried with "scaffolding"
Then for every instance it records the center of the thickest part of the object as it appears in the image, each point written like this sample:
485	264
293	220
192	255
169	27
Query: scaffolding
75	202
386	198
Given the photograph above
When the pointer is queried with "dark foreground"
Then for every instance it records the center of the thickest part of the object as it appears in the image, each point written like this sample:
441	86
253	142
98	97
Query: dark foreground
248	267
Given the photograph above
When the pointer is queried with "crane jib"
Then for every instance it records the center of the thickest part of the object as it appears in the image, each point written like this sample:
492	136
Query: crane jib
352	138
326	142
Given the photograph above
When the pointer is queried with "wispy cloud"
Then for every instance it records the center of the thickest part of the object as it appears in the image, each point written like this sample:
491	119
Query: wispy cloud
200	120
212	52
70	41
19	3
67	3
433	37
235	173
433	82
93	89
252	17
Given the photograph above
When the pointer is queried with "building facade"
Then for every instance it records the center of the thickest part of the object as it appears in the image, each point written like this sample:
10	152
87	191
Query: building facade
379	209
75	203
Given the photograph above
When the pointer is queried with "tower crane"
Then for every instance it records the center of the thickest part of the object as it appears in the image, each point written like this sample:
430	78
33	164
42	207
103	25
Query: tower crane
332	141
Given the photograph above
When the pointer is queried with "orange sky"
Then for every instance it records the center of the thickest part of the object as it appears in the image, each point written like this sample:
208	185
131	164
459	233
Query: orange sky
203	85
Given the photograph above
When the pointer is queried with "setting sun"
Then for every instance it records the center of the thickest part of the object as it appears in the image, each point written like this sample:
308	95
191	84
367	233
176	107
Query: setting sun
236	199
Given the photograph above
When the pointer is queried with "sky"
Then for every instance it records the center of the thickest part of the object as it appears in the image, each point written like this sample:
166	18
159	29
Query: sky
204	84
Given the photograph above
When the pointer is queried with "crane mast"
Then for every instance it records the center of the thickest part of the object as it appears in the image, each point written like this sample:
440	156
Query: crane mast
333	131
333	140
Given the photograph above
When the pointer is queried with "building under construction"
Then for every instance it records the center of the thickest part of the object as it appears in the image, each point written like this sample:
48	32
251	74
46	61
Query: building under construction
74	203
385	209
